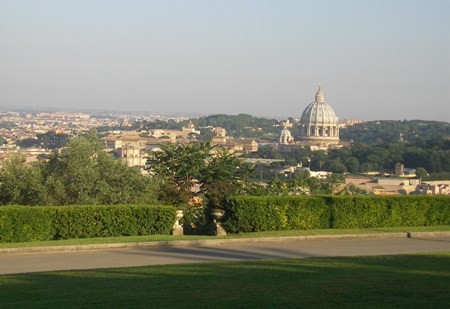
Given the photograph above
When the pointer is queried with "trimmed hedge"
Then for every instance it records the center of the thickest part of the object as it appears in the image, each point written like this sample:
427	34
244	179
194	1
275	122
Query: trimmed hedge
269	213
24	223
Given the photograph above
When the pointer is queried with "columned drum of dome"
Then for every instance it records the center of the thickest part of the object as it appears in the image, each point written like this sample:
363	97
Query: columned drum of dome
319	123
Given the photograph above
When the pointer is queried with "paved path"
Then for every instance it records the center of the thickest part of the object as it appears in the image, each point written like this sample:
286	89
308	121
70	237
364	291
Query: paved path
11	263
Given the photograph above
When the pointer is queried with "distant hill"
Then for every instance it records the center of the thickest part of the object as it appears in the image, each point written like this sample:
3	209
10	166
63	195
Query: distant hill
242	125
388	131
369	133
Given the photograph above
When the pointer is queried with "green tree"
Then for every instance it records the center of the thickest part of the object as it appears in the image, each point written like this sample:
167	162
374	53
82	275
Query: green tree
352	165
21	184
52	140
88	175
28	143
421	172
81	174
318	160
193	169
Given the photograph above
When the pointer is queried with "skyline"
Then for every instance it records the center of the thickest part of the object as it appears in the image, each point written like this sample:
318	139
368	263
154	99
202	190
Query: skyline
375	61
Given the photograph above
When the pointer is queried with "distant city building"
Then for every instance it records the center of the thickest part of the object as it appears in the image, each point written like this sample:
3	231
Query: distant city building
237	146
385	185
402	171
433	189
219	131
133	156
349	122
188	133
399	169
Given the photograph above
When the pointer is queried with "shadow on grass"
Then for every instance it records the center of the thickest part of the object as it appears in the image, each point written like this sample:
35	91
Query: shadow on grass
402	281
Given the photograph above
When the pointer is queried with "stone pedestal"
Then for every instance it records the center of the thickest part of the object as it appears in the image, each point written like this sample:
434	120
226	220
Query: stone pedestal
177	231
217	214
177	228
219	230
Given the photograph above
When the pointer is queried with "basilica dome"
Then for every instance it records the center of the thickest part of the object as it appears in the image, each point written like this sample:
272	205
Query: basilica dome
319	122
319	112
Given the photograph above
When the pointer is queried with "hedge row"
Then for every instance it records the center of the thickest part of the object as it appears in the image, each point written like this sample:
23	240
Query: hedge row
271	213
23	223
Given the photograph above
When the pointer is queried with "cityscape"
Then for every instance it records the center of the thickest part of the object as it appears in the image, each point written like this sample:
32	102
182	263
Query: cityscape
224	154
126	138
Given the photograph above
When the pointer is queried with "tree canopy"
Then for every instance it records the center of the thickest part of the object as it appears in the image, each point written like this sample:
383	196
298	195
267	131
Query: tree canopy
80	174
194	169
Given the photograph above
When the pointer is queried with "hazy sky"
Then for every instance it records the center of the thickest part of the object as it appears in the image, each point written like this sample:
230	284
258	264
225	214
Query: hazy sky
378	59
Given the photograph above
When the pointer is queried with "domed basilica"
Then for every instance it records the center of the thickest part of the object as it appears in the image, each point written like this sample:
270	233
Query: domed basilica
318	126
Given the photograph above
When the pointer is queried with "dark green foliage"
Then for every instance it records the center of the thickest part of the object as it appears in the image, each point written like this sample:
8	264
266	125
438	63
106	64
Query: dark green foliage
49	140
196	219
107	221
378	211
82	174
197	177
389	131
258	214
269	213
21	184
307	213
22	223
438	176
352	212
242	125
378	145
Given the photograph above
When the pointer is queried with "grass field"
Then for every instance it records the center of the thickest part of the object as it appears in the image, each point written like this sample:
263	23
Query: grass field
402	281
128	239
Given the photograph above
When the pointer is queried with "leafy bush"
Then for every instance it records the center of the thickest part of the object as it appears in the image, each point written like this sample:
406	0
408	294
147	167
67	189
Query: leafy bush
266	213
248	214
23	223
360	212
307	213
381	211
20	224
107	221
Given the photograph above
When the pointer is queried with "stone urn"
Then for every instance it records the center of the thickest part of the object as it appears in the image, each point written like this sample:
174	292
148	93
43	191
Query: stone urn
217	215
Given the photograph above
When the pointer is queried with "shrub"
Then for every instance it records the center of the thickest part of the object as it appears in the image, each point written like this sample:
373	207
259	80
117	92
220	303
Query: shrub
266	213
389	211
269	213
23	223
107	221
20	224
359	212
307	213
247	214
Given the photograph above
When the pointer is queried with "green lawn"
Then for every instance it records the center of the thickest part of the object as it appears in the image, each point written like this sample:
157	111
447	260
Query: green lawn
402	281
129	239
